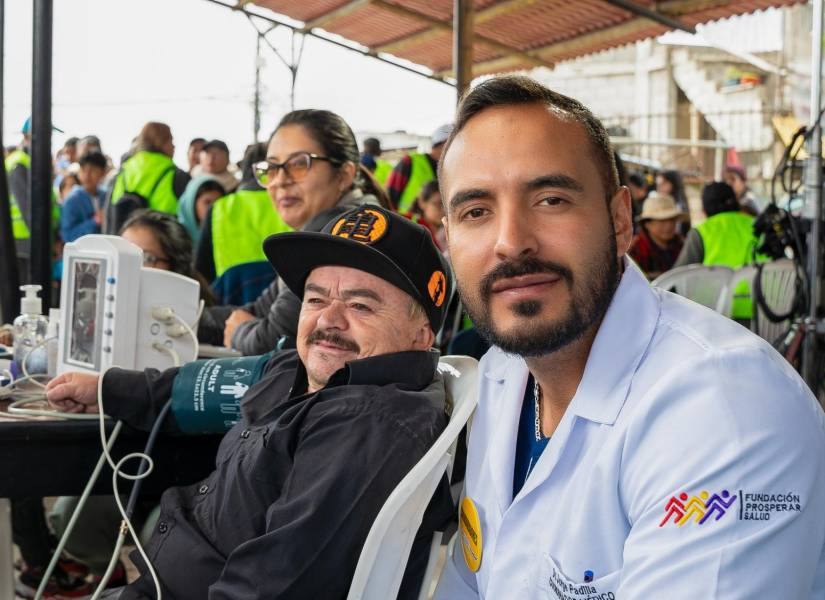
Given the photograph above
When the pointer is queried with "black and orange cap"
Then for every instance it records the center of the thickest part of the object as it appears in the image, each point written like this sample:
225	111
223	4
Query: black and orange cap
371	239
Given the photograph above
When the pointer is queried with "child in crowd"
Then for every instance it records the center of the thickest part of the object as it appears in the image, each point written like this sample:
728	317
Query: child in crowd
83	208
65	187
199	195
428	211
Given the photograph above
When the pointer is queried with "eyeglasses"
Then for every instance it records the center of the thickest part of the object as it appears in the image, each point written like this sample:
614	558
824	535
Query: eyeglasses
150	260
295	167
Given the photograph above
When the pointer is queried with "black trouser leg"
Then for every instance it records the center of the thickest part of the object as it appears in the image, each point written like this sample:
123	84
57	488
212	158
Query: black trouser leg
30	532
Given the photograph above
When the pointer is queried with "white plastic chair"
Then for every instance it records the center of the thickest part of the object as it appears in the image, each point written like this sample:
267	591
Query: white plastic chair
779	290
703	284
387	548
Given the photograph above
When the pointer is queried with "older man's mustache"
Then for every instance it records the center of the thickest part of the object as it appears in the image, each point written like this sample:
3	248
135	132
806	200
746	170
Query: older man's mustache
528	266
319	335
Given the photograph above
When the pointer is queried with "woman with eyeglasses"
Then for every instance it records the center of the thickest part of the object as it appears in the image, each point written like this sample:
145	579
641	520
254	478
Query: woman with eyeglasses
312	173
165	243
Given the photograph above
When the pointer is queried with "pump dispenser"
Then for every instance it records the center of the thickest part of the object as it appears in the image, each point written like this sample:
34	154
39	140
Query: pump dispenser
30	332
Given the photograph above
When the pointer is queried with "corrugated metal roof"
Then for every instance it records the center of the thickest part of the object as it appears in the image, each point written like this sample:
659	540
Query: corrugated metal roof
510	34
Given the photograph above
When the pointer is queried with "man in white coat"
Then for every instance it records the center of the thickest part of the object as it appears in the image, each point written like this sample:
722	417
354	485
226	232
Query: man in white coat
628	443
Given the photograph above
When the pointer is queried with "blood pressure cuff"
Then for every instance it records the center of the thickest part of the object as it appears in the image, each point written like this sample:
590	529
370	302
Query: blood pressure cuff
206	394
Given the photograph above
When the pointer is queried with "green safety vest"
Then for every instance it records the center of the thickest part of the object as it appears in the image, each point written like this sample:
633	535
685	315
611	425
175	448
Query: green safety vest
241	222
19	229
145	172
421	172
728	240
382	171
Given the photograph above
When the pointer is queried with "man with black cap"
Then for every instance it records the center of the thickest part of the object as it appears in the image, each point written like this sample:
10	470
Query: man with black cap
325	434
214	161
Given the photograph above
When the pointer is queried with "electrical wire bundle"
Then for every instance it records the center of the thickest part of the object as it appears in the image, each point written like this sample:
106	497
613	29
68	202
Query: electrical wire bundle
780	230
26	397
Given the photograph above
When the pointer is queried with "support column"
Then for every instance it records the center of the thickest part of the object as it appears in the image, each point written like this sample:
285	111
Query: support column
9	273
40	183
256	119
813	199
462	45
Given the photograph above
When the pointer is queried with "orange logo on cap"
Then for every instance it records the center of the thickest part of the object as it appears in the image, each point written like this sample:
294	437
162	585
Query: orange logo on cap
367	226
437	287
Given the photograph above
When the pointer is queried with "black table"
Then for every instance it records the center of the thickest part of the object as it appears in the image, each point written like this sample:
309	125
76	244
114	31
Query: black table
56	458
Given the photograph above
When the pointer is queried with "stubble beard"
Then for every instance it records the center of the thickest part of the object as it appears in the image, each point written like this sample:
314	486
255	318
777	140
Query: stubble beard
589	301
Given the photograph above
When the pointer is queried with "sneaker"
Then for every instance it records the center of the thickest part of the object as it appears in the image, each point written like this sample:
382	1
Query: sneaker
61	584
118	578
72	567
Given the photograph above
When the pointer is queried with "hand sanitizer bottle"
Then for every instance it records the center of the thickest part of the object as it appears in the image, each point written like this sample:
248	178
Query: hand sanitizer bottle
29	332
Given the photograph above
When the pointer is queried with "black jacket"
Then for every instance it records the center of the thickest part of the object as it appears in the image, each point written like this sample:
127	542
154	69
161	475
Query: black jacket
298	481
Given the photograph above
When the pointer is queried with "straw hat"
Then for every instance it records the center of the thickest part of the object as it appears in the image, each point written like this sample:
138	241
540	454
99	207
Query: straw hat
659	207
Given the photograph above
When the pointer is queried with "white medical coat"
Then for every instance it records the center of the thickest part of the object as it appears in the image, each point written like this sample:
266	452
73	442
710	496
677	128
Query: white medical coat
681	414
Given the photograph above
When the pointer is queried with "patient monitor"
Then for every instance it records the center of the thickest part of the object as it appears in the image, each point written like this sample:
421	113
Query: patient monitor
114	312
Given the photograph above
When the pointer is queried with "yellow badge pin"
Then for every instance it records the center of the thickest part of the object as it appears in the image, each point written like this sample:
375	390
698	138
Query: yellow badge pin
470	528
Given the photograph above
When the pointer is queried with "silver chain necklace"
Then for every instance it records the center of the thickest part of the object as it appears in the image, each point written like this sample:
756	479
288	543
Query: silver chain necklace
537	400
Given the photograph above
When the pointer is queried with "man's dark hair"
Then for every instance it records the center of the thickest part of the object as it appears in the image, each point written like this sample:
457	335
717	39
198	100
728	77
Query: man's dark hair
72	141
372	146
512	90
197	140
637	179
718	197
94	159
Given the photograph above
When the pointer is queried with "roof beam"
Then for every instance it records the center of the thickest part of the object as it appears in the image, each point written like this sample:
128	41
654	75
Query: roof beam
427	34
490	43
552	52
653	15
583	42
342	11
495	65
628	28
675	8
321	36
463	34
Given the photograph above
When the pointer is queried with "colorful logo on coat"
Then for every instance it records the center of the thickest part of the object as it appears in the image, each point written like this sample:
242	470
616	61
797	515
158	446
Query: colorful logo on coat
367	226
751	506
701	508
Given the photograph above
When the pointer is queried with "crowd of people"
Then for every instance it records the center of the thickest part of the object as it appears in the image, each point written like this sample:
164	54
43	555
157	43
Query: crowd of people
665	237
346	255
208	222
92	196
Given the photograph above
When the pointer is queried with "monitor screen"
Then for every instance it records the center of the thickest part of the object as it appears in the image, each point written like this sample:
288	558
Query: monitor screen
84	324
